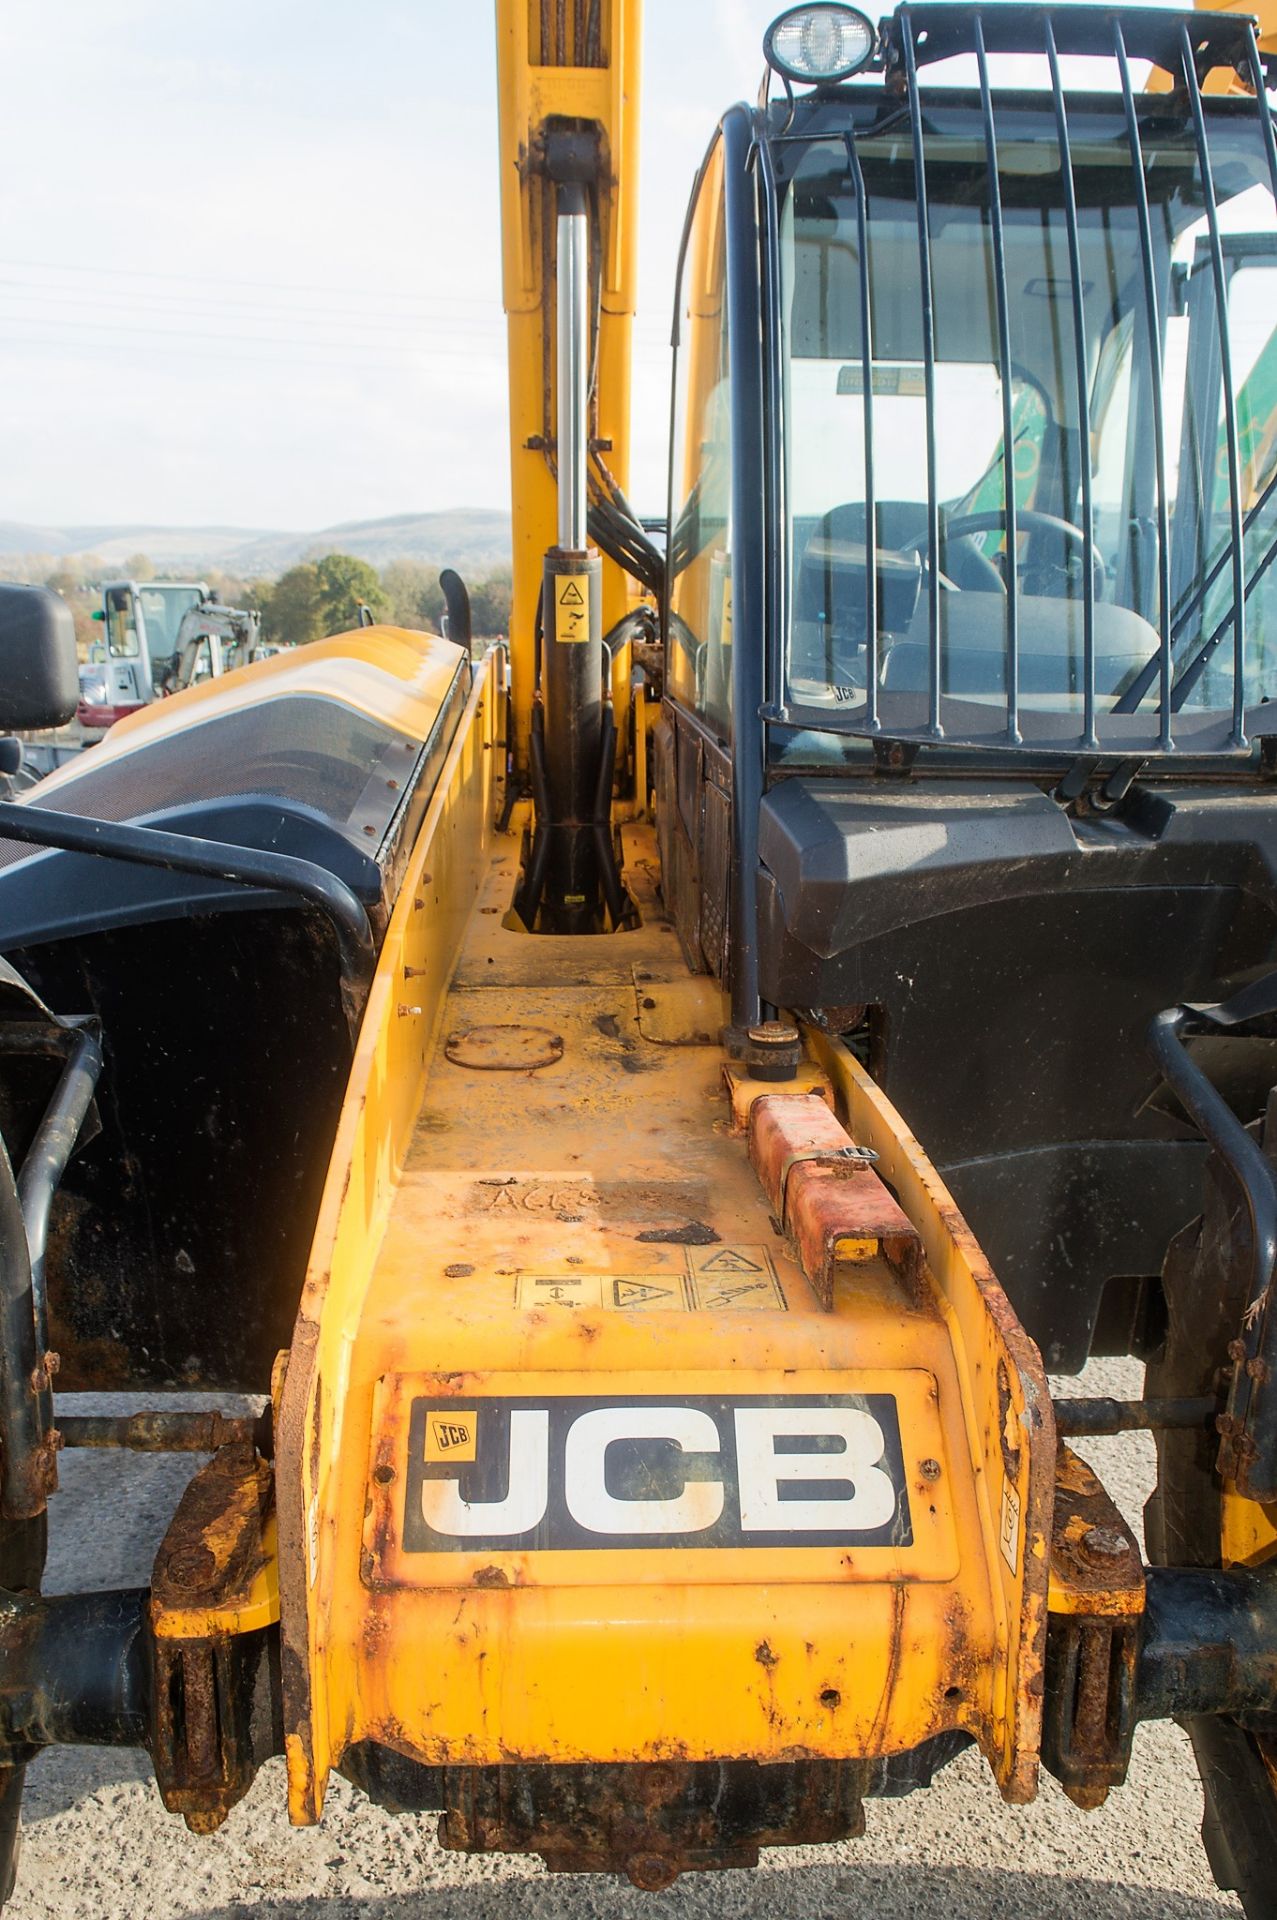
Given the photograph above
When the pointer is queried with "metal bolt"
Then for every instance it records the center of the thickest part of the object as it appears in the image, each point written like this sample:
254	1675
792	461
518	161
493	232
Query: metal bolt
773	1033
1103	1543
930	1469
650	1872
192	1567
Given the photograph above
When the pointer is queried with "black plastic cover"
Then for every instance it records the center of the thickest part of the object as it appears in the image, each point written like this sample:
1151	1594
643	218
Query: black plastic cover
1013	958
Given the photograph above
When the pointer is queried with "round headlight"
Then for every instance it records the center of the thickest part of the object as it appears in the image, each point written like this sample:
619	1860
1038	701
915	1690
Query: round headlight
813	45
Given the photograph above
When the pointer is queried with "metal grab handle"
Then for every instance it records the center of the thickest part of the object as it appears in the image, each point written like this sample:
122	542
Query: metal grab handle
1249	1449
211	859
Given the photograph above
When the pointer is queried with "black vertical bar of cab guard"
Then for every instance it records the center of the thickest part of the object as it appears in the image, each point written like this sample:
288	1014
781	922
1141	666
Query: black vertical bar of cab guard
1089	738
1220	279
1261	103
1265	116
754	541
1152	315
867	405
1005	376
779	588
928	372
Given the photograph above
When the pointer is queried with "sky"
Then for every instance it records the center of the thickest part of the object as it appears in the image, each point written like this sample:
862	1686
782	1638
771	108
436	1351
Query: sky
249	253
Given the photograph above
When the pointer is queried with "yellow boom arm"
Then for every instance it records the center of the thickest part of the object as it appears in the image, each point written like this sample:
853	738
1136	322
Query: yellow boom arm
568	71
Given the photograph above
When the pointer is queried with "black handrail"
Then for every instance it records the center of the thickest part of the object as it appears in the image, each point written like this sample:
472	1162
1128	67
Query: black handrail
47	1157
38	826
1250	1446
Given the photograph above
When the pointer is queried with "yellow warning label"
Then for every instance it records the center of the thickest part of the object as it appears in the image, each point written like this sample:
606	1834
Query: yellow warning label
572	607
733	1278
451	1436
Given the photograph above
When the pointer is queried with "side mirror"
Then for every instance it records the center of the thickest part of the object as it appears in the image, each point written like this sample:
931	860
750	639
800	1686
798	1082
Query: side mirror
39	670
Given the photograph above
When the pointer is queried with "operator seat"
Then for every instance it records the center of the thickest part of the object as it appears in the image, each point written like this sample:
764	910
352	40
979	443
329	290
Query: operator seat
829	591
1051	635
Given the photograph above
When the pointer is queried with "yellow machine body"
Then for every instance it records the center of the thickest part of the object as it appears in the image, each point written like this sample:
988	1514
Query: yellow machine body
541	1193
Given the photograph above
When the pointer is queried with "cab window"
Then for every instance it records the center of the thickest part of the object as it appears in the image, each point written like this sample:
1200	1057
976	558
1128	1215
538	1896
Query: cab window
700	598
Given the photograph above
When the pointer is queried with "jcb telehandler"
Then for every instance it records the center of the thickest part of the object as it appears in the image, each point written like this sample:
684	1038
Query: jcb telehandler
554	1081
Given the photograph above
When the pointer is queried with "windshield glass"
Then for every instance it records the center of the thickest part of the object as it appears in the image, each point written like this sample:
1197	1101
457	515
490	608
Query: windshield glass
162	611
1084	466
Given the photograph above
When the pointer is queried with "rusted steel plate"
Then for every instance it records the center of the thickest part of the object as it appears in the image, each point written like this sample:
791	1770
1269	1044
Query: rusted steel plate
504	1049
1095	1559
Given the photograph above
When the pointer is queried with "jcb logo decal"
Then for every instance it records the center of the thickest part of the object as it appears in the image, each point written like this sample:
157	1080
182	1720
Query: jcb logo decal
811	1470
450	1436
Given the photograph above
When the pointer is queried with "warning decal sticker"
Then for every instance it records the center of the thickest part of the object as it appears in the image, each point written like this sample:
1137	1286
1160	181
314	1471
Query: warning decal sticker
572	607
726	1278
717	1279
659	1291
629	1290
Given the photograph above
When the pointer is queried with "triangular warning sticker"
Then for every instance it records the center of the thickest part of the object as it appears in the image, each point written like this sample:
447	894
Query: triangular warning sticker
723	1296
730	1260
571	595
638	1293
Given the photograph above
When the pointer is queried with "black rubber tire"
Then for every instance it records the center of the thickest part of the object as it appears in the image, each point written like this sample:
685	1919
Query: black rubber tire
1204	1281
1239	1826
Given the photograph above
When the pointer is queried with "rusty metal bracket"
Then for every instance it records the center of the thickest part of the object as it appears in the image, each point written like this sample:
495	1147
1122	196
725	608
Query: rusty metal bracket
214	1619
1096	1602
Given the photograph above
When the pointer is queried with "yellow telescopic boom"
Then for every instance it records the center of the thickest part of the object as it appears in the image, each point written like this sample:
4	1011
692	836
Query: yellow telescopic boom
568	73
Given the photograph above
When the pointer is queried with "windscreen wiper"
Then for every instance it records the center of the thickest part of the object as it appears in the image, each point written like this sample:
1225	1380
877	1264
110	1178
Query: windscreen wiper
1197	665
1135	693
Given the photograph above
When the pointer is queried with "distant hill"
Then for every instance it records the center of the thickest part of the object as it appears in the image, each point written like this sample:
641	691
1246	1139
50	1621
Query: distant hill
477	538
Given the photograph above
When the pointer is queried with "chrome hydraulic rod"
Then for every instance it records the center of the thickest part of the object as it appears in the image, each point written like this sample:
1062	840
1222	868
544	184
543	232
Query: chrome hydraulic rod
573	363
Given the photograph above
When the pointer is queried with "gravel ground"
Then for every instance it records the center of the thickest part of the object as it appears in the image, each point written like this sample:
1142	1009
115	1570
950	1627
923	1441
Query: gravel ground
99	1846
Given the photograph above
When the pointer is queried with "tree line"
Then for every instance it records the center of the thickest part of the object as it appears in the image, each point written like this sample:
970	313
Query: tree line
324	596
308	602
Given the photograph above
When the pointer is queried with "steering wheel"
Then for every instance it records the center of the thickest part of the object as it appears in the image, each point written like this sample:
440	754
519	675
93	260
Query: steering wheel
1029	520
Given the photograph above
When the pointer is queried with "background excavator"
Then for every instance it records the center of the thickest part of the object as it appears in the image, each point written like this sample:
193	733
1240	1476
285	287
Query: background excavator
661	1095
